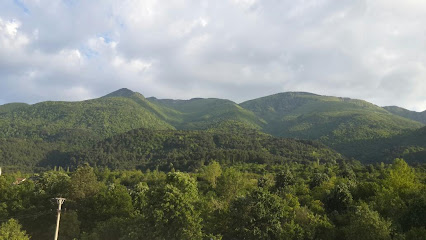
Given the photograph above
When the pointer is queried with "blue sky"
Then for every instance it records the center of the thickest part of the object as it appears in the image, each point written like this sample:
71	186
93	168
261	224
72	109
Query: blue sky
236	49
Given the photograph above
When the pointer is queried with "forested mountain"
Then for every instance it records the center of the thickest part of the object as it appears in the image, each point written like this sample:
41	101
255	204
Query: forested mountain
11	106
44	134
410	146
190	150
416	116
100	117
330	119
140	168
300	115
199	113
347	125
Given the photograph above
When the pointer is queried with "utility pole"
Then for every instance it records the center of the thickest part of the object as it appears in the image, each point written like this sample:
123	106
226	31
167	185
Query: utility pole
60	202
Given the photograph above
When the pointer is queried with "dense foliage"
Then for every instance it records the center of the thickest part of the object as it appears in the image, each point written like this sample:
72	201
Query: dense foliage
98	117
200	113
244	201
331	119
127	174
416	116
188	150
50	133
228	142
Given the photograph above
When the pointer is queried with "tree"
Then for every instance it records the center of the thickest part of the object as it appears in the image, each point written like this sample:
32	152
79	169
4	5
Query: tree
399	187
70	226
259	215
54	183
171	211
83	183
401	178
212	172
339	199
139	196
366	224
112	201
11	230
318	179
284	179
230	184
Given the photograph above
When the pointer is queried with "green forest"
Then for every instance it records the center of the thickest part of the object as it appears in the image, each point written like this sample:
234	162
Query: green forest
287	166
344	200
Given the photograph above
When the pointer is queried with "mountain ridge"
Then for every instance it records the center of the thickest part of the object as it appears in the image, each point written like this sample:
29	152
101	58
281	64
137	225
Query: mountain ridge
344	124
413	115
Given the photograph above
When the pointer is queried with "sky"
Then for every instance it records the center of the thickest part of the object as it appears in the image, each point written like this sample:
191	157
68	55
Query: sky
72	50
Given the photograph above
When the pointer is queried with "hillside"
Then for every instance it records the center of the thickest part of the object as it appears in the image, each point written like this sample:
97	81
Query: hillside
416	116
411	147
189	150
330	119
355	128
199	113
12	106
100	117
43	133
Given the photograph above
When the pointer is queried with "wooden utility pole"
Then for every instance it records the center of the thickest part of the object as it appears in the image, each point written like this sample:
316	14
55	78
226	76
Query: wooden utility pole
60	202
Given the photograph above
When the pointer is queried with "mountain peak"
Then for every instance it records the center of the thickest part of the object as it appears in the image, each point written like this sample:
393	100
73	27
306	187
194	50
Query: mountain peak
123	92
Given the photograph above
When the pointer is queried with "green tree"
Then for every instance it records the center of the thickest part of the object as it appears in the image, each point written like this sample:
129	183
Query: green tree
284	179
401	178
318	179
416	234
54	183
259	215
111	201
171	212
139	196
339	199
212	172
11	230
70	226
84	183
366	224
231	184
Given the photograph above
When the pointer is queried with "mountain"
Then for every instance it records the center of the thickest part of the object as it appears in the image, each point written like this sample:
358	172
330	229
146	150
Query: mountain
341	123
330	119
100	117
411	147
416	116
12	106
199	113
123	92
48	131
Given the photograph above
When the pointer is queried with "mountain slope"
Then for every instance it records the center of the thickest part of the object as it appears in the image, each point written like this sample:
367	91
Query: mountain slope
331	119
411	147
188	150
199	113
355	128
12	106
101	117
342	123
416	116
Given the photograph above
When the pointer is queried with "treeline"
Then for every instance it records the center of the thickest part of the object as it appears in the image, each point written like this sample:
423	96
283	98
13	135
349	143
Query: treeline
246	201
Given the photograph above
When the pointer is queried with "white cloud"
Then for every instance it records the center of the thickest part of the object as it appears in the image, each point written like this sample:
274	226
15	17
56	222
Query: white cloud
236	49
10	37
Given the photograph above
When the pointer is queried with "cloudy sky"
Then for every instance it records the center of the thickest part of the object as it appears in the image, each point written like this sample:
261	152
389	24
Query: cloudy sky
236	49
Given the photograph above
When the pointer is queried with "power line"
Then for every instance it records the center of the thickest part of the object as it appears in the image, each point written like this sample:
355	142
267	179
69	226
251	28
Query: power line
25	216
